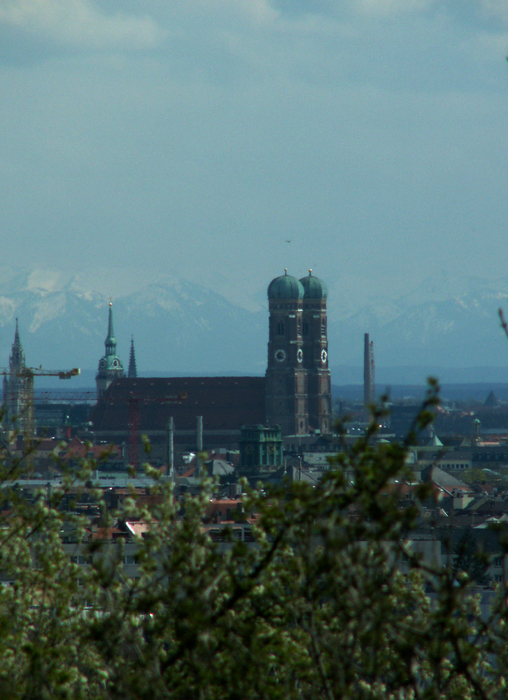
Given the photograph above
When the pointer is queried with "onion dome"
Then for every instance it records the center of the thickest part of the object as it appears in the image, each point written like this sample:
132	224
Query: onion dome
314	288
285	287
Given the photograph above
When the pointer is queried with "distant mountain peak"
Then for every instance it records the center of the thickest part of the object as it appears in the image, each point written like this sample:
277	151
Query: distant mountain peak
184	326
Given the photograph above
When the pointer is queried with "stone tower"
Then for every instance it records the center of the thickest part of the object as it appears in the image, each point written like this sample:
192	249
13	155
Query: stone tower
286	378
15	391
315	353
132	372
261	450
110	366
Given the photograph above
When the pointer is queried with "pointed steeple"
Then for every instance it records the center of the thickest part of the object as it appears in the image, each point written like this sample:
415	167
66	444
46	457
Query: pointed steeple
17	358
132	372
16	416
110	366
110	341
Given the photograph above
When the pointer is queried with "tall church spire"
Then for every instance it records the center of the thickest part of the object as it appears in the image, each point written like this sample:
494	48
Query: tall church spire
133	371
17	358
110	341
15	395
110	366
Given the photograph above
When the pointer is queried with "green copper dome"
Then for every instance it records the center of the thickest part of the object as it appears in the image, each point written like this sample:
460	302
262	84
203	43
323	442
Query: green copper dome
314	287
110	363
285	287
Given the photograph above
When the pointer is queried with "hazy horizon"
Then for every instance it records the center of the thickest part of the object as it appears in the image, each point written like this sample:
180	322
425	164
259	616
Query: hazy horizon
197	138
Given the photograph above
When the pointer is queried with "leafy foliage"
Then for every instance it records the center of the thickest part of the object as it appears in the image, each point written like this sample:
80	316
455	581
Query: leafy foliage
329	602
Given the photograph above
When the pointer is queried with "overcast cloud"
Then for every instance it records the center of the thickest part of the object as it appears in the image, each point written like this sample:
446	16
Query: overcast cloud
195	137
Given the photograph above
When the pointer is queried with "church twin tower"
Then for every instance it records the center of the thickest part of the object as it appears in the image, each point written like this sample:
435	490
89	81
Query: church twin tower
298	384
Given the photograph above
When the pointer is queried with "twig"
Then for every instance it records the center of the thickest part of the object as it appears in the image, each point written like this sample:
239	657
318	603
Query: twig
504	325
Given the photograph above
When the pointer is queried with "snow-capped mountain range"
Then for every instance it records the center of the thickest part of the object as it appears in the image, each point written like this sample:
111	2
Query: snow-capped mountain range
182	327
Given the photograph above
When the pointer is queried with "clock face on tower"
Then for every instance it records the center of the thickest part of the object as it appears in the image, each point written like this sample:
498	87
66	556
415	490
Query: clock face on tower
280	355
299	355
324	355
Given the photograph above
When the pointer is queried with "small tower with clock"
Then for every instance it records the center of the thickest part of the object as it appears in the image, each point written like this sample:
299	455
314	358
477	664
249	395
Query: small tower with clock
286	377
110	366
315	352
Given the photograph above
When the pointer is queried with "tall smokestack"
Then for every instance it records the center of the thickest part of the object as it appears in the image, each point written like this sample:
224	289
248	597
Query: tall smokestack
199	442
199	434
369	383
171	450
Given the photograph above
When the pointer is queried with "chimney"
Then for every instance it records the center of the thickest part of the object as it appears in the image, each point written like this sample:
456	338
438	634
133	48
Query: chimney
199	442
171	450
369	386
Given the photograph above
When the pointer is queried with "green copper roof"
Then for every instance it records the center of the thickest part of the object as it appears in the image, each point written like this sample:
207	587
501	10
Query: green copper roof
285	287
314	287
110	339
110	361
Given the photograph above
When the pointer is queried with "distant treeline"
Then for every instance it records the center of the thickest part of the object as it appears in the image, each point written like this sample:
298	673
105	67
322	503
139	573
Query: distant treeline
451	392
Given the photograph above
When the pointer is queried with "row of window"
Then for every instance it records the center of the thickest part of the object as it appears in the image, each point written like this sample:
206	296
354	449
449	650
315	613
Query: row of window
84	560
226	534
488	457
302	327
296	306
311	449
81	560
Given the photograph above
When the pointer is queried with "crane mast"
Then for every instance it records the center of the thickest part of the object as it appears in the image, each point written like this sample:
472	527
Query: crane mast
26	376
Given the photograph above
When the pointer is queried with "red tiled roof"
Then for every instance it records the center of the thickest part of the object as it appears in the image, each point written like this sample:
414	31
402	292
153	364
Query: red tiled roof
46	444
189	472
224	402
137	527
106	533
99	452
223	506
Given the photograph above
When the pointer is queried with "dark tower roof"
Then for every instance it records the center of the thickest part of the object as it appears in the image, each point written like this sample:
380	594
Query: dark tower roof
491	401
285	287
314	288
17	358
110	341
133	371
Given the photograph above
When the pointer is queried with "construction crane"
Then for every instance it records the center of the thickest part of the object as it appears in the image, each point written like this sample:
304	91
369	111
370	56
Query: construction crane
27	376
62	396
134	402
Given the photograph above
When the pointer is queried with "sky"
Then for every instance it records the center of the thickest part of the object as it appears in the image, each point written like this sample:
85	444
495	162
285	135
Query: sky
225	140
